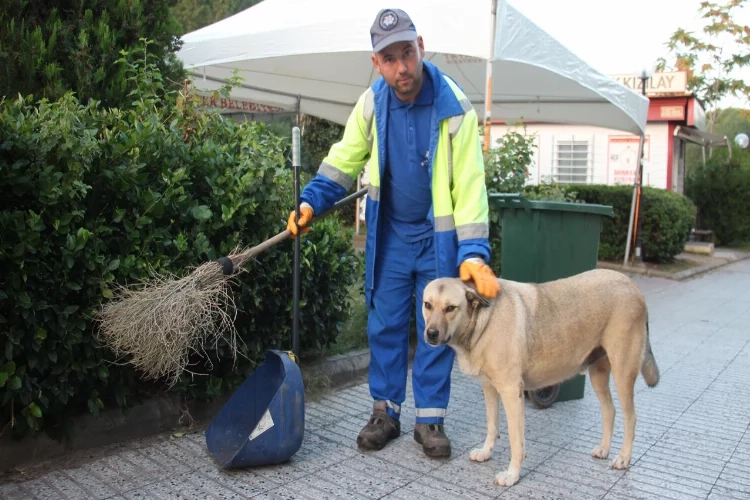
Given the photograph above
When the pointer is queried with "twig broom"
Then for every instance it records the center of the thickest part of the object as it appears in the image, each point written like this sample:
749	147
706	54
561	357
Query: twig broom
162	323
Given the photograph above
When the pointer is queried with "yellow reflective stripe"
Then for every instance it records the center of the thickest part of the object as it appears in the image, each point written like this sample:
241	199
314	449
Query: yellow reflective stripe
454	124
456	121
444	223
472	231
368	112
469	206
349	155
466	104
373	192
336	175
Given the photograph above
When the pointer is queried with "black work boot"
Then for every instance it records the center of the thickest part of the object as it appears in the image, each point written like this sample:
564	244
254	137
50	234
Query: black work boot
380	429
434	442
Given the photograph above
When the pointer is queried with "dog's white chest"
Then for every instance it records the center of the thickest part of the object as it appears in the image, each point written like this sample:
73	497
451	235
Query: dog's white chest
464	364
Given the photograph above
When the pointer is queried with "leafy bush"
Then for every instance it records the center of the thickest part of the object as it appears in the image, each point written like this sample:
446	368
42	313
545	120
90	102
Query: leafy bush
551	191
506	168
667	220
318	135
91	197
720	190
507	165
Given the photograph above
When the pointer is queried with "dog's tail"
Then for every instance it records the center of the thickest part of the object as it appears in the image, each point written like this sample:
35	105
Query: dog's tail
649	370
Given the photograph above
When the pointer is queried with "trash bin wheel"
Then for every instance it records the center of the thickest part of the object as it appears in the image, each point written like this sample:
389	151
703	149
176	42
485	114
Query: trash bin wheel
544	398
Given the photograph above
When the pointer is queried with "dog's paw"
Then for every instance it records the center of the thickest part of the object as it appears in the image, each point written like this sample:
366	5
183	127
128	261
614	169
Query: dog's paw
506	478
480	455
600	452
620	462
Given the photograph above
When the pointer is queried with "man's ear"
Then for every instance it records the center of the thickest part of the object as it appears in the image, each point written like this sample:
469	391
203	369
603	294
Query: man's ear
474	298
376	63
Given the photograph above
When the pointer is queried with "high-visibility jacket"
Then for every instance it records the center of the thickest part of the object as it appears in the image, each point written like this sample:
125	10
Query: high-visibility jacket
459	212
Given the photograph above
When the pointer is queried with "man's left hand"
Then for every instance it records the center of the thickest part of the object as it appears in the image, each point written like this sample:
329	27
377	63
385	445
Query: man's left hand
485	280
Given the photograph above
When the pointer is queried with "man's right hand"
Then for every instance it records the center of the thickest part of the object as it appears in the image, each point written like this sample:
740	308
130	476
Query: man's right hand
306	215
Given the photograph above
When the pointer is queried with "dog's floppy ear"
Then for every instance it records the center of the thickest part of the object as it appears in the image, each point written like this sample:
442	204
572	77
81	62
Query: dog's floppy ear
474	298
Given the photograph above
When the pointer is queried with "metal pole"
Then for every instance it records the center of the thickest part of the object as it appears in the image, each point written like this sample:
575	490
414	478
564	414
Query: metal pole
636	213
639	225
296	166
488	95
634	200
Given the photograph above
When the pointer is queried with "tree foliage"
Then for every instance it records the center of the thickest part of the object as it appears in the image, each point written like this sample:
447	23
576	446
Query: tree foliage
728	122
50	47
714	58
720	190
196	14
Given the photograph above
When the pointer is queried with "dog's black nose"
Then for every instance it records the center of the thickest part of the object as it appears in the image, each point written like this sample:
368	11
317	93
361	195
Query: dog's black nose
432	334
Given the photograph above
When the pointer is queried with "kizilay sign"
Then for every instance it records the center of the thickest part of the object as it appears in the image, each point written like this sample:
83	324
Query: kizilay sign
672	83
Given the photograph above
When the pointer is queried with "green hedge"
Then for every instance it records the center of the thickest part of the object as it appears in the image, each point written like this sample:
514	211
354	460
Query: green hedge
721	191
667	219
92	197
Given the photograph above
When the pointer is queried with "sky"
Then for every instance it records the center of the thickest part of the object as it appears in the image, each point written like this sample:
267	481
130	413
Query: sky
618	36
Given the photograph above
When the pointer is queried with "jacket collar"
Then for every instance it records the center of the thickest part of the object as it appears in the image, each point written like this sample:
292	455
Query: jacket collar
445	100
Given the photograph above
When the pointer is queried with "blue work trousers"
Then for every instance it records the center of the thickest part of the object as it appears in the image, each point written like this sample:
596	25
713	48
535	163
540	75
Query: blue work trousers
403	269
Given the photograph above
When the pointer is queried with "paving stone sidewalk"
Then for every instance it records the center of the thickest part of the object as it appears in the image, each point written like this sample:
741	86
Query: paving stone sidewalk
692	437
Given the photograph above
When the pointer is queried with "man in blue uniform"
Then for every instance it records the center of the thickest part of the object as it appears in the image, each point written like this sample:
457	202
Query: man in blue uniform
426	214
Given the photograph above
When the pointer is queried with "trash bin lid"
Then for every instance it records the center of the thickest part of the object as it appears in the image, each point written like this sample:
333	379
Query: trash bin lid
518	200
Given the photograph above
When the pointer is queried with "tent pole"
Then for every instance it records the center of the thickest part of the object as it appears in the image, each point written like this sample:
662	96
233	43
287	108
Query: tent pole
488	95
636	197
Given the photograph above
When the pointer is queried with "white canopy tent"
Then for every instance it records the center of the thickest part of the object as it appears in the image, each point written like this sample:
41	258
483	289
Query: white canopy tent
313	57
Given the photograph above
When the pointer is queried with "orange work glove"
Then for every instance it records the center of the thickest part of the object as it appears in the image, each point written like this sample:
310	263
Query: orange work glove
306	215
483	277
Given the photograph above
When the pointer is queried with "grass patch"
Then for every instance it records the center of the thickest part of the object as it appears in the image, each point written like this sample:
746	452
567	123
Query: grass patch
675	266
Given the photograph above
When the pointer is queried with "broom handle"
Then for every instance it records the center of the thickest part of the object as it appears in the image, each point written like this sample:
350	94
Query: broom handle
251	252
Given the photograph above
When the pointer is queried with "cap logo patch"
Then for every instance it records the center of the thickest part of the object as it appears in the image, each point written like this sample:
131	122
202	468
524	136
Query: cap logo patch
388	20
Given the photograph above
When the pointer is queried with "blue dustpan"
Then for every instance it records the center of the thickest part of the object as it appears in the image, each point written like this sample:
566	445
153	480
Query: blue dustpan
263	423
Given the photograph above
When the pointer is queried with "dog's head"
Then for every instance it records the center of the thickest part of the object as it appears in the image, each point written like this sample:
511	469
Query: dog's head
448	307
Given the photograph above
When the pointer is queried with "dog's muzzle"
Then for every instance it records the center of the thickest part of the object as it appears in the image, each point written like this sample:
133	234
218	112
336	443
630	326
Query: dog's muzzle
433	334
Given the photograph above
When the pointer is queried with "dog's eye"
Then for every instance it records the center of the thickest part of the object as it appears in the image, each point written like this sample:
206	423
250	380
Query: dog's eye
450	309
428	306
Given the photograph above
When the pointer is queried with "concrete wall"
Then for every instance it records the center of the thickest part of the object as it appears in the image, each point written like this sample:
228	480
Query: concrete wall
592	155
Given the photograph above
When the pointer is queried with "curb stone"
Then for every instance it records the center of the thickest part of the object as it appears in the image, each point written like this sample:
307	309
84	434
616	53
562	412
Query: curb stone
342	368
155	416
723	260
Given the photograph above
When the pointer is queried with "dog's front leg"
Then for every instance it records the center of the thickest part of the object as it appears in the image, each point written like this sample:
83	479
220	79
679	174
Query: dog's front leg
513	404
492	405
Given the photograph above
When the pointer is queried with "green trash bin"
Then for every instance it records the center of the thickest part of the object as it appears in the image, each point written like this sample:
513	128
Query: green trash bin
544	241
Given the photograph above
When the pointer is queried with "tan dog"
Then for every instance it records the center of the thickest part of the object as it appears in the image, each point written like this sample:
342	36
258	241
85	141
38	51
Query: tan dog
536	335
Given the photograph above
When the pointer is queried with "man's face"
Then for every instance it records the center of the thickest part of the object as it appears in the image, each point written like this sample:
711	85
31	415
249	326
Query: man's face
400	64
